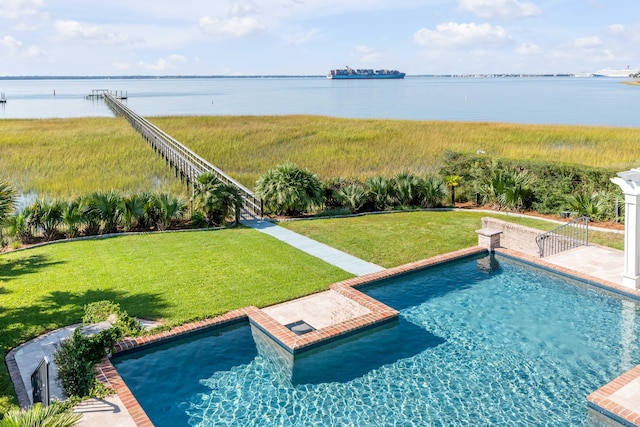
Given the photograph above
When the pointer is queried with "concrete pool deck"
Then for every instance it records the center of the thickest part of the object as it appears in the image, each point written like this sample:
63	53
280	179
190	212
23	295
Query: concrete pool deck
619	400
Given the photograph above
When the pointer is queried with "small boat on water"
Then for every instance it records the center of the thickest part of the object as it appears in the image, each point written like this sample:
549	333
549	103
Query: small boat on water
3	98
610	72
349	73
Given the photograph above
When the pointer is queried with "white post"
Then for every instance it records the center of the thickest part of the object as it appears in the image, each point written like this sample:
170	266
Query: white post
629	182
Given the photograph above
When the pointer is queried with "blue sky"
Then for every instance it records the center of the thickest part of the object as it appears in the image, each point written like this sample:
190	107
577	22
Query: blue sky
309	37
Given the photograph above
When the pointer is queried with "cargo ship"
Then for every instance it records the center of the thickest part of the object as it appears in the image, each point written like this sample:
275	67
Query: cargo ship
350	73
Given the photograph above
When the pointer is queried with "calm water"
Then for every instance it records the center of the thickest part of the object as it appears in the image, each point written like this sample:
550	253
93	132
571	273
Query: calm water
477	343
545	100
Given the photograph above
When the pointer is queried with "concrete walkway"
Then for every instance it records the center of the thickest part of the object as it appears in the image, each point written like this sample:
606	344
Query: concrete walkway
326	253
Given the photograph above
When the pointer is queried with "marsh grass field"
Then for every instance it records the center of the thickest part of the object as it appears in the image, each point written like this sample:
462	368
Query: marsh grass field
66	158
70	157
246	147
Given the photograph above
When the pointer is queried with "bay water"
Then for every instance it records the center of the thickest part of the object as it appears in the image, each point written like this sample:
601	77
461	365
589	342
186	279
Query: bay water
527	100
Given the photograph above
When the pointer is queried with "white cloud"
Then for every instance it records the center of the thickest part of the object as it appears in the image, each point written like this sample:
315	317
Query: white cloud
13	9
504	9
121	66
366	55
452	35
233	27
164	64
91	33
13	47
528	49
589	42
616	28
301	38
244	8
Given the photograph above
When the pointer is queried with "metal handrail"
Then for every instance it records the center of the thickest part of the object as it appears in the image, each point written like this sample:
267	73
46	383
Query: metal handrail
189	159
568	236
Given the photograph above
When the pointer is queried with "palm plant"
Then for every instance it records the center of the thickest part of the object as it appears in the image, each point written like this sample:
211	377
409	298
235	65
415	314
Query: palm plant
353	197
72	217
216	199
593	205
405	188
452	182
46	216
90	216
330	189
431	191
150	212
132	210
517	191
105	207
7	200
19	225
377	189
38	415
506	190
169	208
290	190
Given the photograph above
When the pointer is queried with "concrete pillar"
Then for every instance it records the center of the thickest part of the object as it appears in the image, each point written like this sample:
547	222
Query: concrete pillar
489	238
629	182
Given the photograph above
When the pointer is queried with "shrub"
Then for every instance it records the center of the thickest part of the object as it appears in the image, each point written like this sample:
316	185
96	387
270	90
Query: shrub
101	311
405	189
215	199
76	359
352	197
54	415
431	192
378	192
290	190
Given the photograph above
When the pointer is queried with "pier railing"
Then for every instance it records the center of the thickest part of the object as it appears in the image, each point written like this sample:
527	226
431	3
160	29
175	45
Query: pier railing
187	163
567	236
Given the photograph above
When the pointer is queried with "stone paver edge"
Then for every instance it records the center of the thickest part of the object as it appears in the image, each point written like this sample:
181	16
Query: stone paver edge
16	378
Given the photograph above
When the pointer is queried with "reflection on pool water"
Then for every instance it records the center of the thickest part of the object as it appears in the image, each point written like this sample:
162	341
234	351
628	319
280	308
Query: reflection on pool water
480	341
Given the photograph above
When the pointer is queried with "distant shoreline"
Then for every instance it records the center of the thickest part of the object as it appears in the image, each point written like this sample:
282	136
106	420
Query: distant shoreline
272	76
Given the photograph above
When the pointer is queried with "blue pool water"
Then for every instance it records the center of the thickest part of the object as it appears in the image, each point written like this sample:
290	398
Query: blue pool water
481	341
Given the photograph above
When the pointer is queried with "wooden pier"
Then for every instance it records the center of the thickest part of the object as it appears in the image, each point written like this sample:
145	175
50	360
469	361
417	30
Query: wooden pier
100	94
187	164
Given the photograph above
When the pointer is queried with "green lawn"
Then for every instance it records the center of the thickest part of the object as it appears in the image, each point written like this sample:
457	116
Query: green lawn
394	239
184	276
172	276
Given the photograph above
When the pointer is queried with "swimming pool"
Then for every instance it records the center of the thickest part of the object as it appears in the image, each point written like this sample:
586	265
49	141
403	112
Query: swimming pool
481	341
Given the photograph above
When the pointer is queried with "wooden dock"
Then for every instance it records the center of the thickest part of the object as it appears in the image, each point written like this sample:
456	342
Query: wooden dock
187	164
100	94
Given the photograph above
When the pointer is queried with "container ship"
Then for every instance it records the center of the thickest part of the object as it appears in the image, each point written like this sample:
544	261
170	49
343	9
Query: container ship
350	73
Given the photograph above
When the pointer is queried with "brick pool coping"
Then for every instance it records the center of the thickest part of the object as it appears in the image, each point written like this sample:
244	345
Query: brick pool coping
379	313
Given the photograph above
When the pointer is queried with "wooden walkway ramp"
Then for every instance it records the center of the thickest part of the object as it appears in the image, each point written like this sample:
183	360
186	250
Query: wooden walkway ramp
186	163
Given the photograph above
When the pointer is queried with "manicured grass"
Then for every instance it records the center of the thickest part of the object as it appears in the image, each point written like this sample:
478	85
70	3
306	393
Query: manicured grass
171	276
394	239
246	147
65	158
